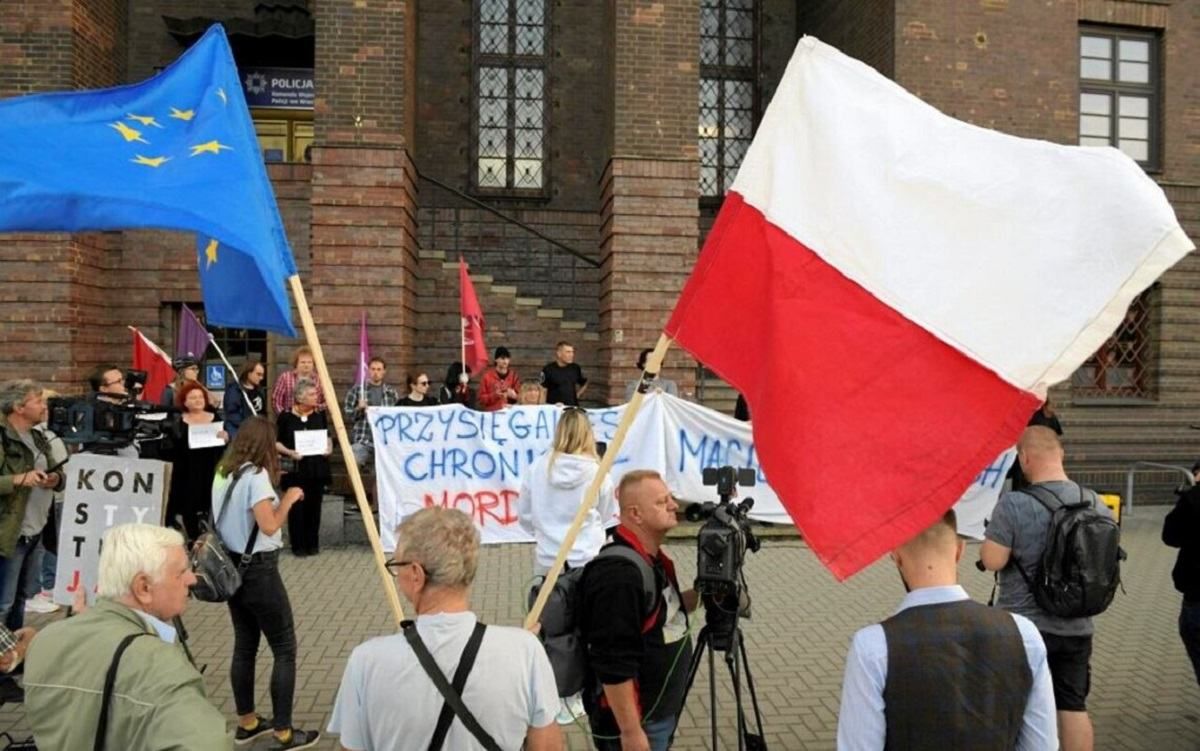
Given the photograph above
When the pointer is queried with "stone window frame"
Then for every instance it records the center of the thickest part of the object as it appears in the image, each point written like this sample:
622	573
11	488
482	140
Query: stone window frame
1113	89
512	64
721	72
1123	369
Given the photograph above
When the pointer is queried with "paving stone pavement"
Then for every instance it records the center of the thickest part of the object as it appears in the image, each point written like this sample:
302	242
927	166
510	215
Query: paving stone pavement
1144	695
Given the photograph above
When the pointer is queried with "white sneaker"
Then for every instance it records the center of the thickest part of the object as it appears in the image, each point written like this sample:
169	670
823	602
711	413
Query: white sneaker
41	603
570	709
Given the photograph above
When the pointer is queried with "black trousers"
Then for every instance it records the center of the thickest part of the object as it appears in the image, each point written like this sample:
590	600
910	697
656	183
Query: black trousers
261	608
304	519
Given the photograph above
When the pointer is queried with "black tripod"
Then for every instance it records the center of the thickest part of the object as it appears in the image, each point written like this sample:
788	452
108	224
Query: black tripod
721	633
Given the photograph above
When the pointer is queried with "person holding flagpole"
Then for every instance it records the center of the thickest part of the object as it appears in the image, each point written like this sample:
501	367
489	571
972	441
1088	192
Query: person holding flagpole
372	392
245	399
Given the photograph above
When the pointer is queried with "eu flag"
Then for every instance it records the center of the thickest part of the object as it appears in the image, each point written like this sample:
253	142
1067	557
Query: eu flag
177	151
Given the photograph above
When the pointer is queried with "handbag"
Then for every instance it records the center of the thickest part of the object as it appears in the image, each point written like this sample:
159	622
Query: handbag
453	694
217	576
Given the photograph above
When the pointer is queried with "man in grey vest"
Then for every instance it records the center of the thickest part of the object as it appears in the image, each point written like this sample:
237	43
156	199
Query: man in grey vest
945	671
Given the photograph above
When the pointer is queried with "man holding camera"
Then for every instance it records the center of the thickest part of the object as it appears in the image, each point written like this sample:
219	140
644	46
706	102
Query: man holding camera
24	479
638	652
108	385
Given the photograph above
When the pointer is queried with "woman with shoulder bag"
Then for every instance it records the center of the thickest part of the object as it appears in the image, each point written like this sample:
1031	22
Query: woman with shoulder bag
260	607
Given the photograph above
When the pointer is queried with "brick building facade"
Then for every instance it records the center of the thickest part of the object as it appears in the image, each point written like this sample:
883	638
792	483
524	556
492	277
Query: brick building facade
559	148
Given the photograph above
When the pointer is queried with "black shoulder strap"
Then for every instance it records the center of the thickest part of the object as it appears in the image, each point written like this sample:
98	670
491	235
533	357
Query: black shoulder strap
110	680
221	515
453	694
649	582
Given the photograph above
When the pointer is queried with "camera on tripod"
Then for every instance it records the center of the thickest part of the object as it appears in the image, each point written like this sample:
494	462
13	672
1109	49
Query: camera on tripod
100	425
722	542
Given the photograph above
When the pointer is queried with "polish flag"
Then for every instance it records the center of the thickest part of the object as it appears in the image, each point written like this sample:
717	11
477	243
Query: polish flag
475	354
149	357
894	291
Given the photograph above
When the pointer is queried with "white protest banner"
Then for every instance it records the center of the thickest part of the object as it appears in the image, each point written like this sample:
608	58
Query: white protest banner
473	461
206	436
976	505
101	492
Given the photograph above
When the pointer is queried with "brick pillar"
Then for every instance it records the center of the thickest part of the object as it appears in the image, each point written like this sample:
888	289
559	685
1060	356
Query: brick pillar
650	193
363	184
54	312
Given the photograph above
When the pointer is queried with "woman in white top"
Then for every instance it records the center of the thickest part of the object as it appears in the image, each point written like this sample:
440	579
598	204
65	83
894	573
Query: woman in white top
553	490
260	607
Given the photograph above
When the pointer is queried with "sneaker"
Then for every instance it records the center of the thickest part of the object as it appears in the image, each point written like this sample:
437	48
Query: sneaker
243	736
41	603
299	739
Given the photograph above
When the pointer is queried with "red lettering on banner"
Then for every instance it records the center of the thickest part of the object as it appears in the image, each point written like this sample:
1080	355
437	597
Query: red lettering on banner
488	508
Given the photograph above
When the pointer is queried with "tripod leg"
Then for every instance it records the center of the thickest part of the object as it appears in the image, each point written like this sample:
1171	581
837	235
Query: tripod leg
750	682
712	695
697	654
732	663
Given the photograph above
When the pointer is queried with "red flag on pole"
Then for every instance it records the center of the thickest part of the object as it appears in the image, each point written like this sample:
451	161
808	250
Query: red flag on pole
149	357
475	354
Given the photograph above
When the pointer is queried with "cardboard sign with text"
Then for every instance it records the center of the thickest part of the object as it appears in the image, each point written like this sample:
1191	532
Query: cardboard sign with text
102	492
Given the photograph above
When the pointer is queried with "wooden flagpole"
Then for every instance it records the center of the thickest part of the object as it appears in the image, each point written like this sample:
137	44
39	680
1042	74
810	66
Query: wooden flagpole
334	407
653	366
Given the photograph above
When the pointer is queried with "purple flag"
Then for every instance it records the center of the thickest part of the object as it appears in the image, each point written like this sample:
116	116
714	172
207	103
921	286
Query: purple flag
364	353
192	340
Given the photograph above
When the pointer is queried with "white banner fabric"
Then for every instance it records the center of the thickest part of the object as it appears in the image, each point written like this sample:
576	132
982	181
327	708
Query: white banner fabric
473	461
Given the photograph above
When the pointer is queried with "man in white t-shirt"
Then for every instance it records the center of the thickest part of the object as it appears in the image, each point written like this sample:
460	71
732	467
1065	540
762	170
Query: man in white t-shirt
387	701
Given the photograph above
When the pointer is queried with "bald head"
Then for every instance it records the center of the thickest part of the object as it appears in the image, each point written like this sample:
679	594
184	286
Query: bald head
1041	454
647	506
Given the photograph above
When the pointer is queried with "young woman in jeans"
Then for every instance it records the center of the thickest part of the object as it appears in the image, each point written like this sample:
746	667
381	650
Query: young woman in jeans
260	607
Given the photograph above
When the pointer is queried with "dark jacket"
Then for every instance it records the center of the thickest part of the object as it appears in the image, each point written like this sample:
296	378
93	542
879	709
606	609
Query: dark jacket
17	459
1181	529
235	409
622	644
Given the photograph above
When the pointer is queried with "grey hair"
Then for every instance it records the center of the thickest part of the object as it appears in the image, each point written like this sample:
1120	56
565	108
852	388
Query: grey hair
446	544
132	549
303	385
14	393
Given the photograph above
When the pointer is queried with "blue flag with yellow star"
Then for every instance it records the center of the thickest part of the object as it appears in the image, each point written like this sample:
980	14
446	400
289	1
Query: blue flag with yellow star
177	151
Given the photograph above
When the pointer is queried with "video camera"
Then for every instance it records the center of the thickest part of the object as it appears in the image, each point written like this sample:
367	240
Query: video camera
721	546
103	422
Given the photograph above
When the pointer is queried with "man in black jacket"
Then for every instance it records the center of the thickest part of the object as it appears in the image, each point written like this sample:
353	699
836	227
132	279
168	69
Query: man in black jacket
1181	529
638	652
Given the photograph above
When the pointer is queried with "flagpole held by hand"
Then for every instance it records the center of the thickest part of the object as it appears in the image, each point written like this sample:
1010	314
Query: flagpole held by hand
245	397
339	427
653	366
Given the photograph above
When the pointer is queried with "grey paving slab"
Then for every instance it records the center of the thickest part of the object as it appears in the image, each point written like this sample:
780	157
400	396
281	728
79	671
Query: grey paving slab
1144	695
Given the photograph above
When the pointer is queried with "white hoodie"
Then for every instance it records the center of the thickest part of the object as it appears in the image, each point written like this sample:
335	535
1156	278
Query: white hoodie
548	504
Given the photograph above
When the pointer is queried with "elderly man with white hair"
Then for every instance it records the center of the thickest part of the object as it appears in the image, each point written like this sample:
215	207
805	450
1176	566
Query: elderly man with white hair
387	700
95	675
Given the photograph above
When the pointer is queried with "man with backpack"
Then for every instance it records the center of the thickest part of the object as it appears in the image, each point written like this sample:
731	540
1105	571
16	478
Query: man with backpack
638	649
1056	549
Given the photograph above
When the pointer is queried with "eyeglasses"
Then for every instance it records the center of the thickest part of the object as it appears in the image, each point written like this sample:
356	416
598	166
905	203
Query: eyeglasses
422	383
113	383
394	567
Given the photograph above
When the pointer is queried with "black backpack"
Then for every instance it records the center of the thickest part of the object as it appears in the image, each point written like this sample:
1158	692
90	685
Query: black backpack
1080	567
561	633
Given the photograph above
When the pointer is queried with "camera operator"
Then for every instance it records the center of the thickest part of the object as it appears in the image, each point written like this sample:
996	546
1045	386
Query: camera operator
637	651
26	491
108	385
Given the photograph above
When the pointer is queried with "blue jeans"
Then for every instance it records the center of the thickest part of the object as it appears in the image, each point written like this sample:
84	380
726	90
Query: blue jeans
49	570
1189	631
658	732
21	580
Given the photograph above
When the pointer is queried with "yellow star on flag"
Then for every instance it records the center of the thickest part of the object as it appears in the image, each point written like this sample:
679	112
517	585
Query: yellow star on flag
184	115
221	93
149	161
210	253
209	147
129	133
145	120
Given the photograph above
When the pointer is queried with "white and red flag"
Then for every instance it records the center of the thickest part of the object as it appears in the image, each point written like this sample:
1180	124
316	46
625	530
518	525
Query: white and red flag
475	354
894	290
149	357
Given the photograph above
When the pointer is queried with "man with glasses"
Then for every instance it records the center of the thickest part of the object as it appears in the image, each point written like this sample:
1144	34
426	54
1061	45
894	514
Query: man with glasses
387	700
27	485
108	385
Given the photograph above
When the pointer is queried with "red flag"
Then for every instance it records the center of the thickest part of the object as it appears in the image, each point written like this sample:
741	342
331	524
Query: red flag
894	291
149	357
475	354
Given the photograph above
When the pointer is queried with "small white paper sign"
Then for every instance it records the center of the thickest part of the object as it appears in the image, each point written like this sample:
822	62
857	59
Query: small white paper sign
205	436
312	442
